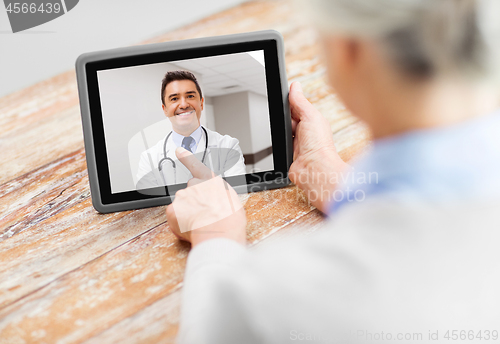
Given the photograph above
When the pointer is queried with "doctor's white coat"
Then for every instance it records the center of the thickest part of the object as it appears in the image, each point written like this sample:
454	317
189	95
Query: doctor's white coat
224	157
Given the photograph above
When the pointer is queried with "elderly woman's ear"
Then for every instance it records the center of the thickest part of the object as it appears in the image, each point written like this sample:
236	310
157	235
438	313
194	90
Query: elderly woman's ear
356	69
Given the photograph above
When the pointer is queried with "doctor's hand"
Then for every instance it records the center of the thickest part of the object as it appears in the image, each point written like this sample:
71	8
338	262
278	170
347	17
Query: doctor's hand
208	208
316	167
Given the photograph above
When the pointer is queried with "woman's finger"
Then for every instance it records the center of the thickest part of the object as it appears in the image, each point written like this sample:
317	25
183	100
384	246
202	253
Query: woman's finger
195	166
300	107
174	225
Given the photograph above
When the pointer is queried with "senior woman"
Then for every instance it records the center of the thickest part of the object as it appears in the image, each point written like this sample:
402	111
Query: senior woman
416	258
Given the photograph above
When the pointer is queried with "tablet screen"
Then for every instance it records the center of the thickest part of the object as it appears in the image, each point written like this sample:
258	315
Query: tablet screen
223	103
216	107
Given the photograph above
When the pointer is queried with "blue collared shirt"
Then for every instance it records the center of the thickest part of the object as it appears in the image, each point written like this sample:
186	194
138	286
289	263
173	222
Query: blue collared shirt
196	135
448	164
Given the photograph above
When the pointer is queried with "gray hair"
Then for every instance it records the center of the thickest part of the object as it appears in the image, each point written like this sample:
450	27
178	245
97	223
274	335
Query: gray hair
422	37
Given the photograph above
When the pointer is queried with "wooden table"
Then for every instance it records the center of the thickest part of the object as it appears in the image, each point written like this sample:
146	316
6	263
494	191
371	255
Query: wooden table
69	274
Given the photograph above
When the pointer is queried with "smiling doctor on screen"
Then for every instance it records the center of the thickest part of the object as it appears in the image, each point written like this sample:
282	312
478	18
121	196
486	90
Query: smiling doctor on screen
182	103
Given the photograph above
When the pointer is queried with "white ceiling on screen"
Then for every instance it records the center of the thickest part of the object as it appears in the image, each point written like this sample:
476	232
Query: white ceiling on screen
226	74
258	55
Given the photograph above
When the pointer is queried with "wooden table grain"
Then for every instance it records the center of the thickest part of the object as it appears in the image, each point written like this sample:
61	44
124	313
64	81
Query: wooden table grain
71	275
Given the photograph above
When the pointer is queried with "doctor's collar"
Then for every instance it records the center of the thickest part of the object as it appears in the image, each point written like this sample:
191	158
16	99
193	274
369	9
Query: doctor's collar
196	135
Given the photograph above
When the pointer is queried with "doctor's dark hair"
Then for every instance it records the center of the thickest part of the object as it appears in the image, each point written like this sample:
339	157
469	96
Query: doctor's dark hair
175	76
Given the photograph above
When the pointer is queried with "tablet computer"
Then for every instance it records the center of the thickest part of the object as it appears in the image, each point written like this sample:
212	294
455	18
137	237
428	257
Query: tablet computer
223	98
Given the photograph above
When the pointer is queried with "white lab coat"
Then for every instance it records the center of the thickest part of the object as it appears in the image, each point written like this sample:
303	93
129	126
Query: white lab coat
223	156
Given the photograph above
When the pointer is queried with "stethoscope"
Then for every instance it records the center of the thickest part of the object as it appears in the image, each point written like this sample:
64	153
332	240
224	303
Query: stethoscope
165	157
